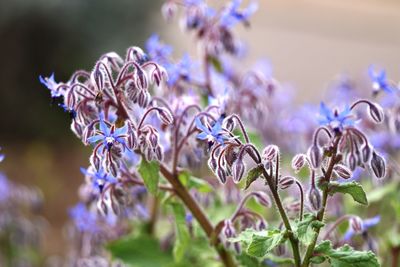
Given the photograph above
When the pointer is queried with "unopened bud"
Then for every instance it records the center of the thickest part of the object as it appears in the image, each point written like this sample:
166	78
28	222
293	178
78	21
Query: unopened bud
298	161
168	10
376	112
212	163
286	182
270	152
228	230
352	161
356	224
366	152
314	198
378	165
342	171
315	155
238	170
165	116
221	175
262	198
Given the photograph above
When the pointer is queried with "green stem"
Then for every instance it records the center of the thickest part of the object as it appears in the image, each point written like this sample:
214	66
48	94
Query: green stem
321	212
293	240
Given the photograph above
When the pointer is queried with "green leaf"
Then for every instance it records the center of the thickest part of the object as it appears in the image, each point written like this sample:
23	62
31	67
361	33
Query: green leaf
193	182
142	251
352	188
182	233
252	175
345	256
304	229
150	172
247	260
216	64
260	243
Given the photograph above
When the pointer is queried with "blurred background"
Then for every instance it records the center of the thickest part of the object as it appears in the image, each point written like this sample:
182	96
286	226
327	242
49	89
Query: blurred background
308	43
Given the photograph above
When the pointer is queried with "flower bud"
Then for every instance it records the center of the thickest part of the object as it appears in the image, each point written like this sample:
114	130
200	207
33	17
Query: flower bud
262	198
315	155
168	10
352	161
366	152
228	230
356	224
158	152
212	164
342	171
238	170
141	80
153	139
378	165
262	225
95	161
221	175
314	198
376	112
165	116
298	161
230	124
286	182
270	152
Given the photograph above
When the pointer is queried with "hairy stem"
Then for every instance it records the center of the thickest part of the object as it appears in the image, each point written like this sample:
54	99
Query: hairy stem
293	241
321	212
199	214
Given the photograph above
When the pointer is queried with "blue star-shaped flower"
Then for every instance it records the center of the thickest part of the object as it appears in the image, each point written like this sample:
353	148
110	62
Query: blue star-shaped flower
232	15
51	84
158	51
100	178
334	119
367	223
379	80
109	135
84	220
212	135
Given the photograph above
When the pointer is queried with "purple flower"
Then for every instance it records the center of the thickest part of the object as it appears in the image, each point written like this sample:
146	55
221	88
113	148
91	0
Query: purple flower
367	223
212	135
379	80
232	15
84	220
51	84
158	51
109	135
4	188
334	119
99	178
179	70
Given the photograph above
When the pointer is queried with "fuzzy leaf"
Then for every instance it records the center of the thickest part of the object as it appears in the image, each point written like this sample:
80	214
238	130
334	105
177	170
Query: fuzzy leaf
345	256
304	230
352	188
150	172
252	175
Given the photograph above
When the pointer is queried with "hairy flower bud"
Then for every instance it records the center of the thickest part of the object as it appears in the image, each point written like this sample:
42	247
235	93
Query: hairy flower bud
158	152
221	175
228	229
378	165
212	164
352	161
238	170
165	116
95	161
376	112
262	225
298	161
342	171
262	198
366	152
153	139
315	155
314	198
270	152
356	224
286	182
168	10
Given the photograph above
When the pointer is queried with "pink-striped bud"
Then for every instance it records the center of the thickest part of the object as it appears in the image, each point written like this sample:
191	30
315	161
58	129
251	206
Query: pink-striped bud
342	171
298	161
262	198
270	152
286	182
376	112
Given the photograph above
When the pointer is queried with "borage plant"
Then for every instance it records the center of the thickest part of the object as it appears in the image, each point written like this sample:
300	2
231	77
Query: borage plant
153	121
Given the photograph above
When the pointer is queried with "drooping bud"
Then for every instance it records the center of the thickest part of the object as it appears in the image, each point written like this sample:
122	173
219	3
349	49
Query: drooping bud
212	164
153	139
286	182
356	224
221	175
314	198
262	198
262	225
238	170
298	162
366	152
95	161
376	112
158	152
230	124
165	116
352	161
378	165
228	229
270	152
168	10
315	155
342	171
